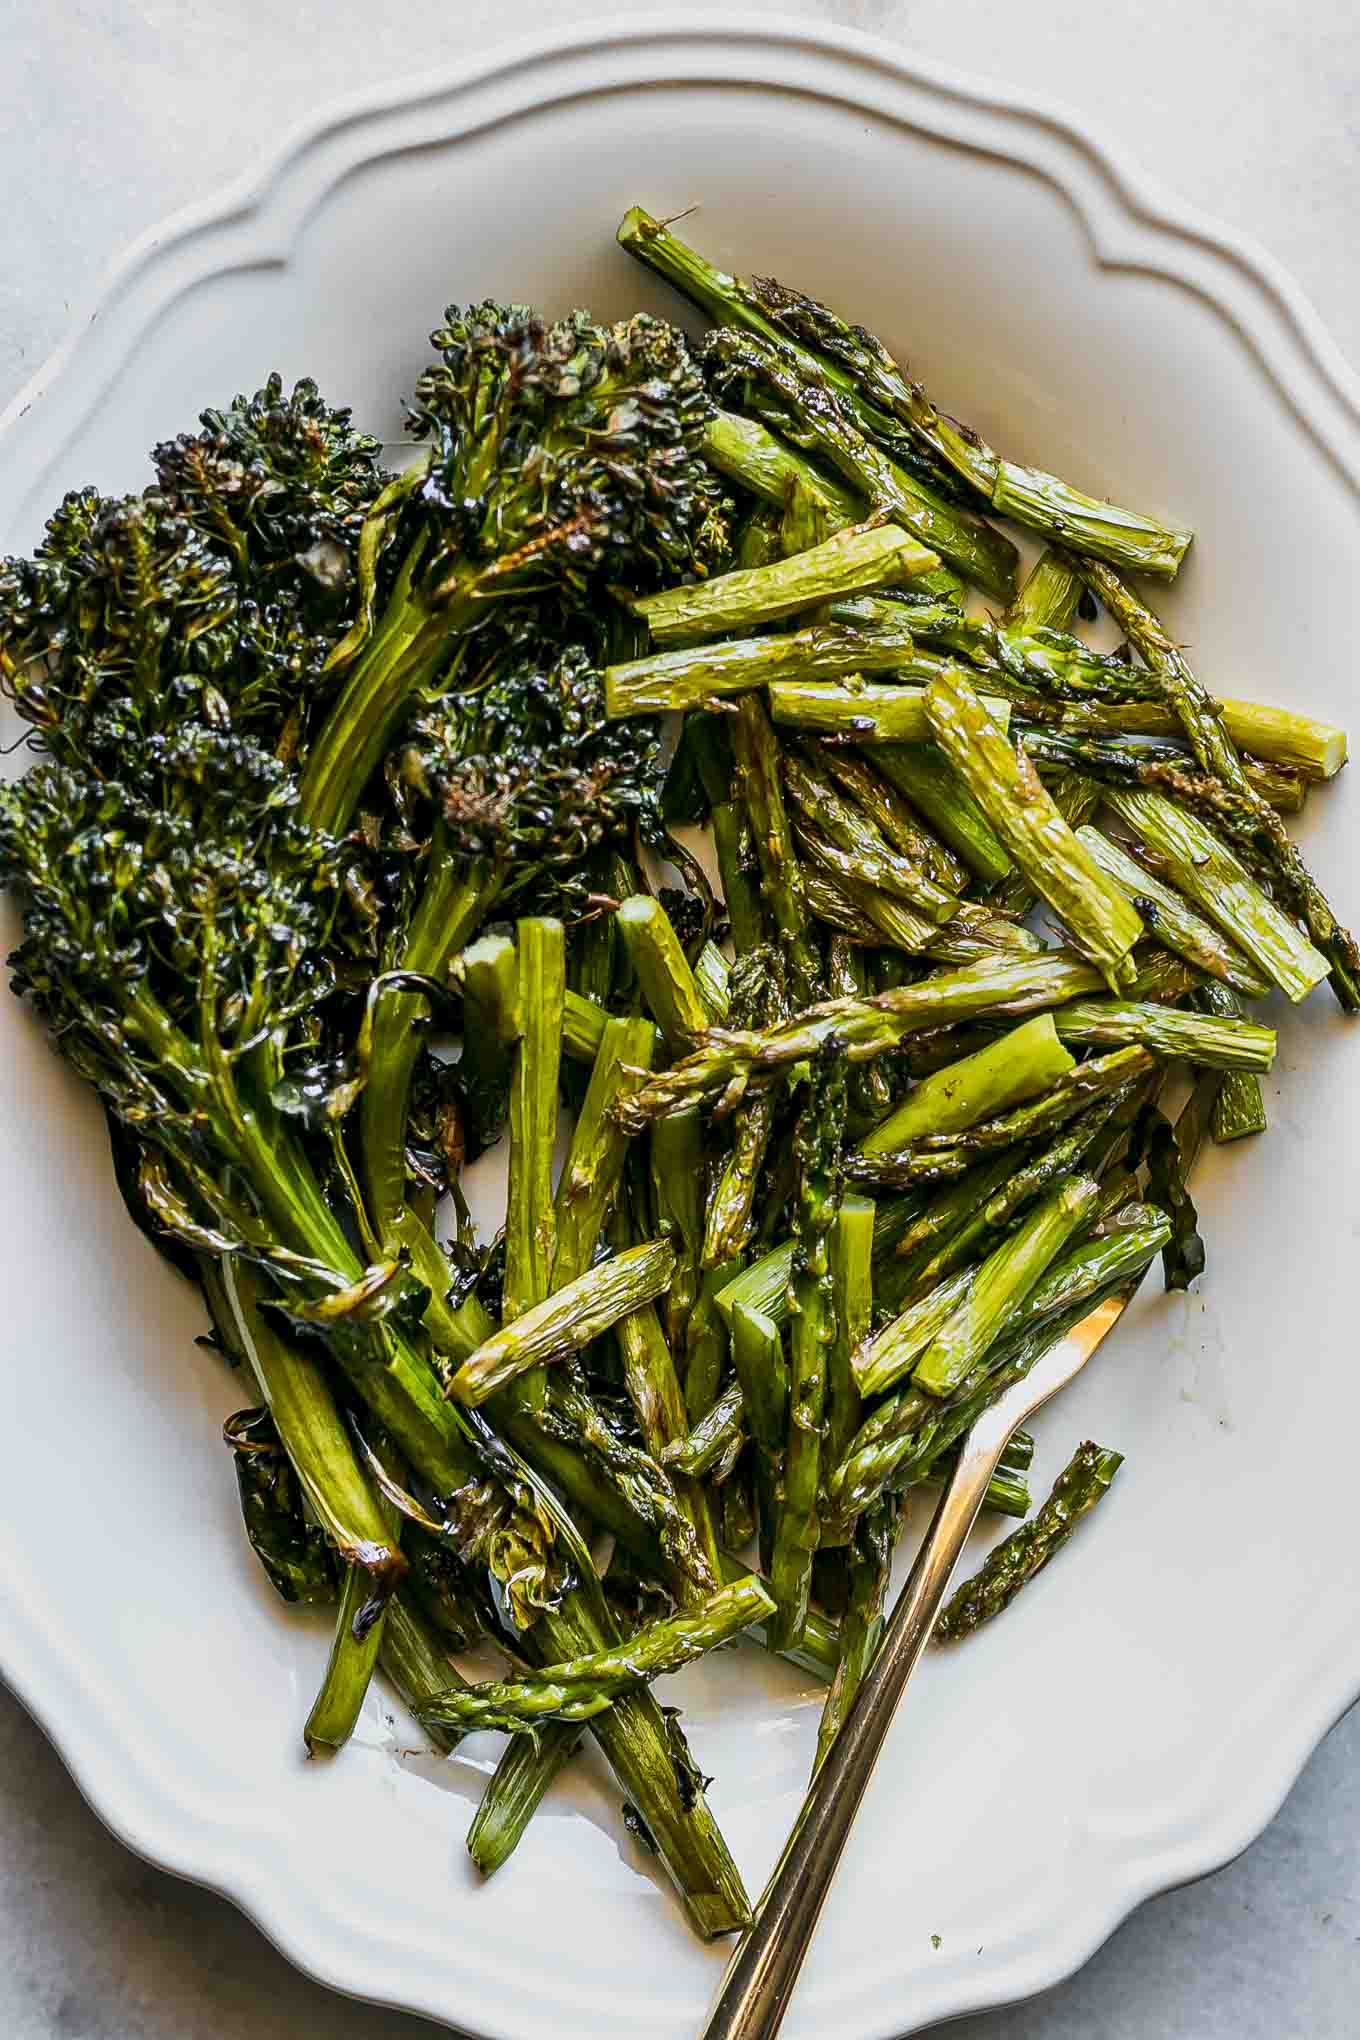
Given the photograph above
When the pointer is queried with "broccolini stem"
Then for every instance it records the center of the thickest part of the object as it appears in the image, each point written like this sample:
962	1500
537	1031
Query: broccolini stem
1027	1551
768	466
530	1223
516	1789
453	901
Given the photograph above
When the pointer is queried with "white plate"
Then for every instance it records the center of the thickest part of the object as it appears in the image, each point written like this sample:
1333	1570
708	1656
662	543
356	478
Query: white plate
1139	1716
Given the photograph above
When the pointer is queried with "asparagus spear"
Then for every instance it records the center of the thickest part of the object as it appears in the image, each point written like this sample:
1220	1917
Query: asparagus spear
827	812
530	1224
1255	826
659	1406
971	934
1163	764
1171	920
1102	923
515	1790
820	1132
891	1353
863	1028
865	712
1023	1063
1028	1550
678	1168
668	984
739	874
852	1244
706	1348
1192	1037
713	1436
412	1658
756	754
826	428
567	1320
1050	595
853	362
595	1158
1171	1154
894	818
871	1553
1046	667
814	670
1303	744
937	1156
1239	1108
747	452
1001	1285
862	557
910	1430
1202	867
925	776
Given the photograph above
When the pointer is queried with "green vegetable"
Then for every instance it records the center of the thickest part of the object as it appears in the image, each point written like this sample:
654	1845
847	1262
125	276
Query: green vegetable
1081	1484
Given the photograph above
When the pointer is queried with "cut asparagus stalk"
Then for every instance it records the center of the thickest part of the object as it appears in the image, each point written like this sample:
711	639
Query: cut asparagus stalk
668	984
659	1406
712	974
894	818
1001	1285
863	1028
1028	1550
895	1350
598	1144
1008	790
1202	867
871	1553
757	759
1315	749
852	1293
1256	829
411	1656
583	1687
1023	1063
712	1437
731	1216
516	1789
1199	1038
568	1320
530	1223
860	558
821	1127
1048	600
747	452
1171	920
1239	1108
865	712
816	656
706	1347
925	776
740	876
826	811
678	1168
487	974
1050	667
910	1431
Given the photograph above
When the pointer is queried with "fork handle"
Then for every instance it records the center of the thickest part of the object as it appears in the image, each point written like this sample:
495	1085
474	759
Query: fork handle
759	1982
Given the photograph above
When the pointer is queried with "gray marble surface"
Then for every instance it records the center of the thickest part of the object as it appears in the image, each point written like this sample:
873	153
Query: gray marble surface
112	113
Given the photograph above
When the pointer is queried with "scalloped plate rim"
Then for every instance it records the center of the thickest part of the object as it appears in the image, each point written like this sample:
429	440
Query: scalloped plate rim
115	1777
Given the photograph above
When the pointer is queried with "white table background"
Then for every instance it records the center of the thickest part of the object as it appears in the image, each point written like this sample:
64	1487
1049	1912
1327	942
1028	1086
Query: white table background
113	113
